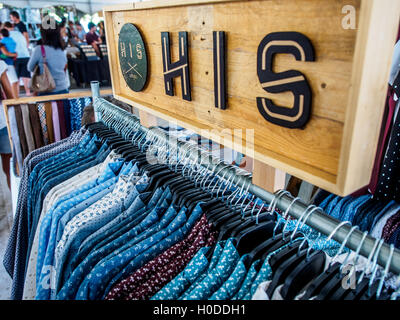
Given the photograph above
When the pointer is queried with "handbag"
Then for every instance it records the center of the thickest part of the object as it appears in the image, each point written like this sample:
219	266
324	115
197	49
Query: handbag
42	82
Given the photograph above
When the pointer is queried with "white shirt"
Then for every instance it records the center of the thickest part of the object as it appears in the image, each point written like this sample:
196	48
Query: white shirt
21	49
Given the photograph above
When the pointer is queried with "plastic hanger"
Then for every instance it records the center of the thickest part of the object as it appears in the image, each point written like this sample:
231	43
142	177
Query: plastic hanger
334	284
283	271
249	239
364	284
333	269
337	290
309	268
277	241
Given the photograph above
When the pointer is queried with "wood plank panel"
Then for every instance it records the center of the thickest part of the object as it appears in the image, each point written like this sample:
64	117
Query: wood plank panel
318	153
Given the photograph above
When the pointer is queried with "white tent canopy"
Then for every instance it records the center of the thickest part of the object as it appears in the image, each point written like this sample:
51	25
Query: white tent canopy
88	6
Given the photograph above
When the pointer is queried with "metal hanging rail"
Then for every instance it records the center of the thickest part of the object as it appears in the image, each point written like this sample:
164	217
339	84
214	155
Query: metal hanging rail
317	219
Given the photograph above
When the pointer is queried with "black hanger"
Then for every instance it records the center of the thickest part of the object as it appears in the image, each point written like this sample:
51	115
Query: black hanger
331	287
249	239
284	270
318	283
370	293
157	173
178	192
359	291
308	269
342	291
287	252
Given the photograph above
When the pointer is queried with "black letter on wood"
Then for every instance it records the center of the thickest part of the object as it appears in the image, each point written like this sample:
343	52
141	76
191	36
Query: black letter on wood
292	80
179	68
219	69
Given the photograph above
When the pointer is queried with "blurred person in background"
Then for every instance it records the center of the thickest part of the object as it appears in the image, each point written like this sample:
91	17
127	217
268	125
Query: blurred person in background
102	31
22	57
56	57
71	31
92	37
19	25
5	148
80	32
8	54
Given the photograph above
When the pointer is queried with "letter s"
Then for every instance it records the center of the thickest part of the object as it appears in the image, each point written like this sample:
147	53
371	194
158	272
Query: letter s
300	46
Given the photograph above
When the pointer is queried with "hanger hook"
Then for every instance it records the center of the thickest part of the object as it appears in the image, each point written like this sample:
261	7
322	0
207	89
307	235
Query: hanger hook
368	261
305	216
375	264
243	194
238	192
275	200
343	245
286	213
386	271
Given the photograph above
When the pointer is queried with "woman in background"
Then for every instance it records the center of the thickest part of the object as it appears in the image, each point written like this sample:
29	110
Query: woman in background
54	49
5	149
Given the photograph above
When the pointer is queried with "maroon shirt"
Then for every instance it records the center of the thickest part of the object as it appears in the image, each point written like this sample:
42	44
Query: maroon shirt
91	37
391	226
148	280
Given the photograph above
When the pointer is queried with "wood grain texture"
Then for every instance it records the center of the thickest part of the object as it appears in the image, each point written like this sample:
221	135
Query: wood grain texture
320	152
267	177
378	27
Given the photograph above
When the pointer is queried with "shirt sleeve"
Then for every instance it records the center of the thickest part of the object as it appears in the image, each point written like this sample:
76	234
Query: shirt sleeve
34	59
22	27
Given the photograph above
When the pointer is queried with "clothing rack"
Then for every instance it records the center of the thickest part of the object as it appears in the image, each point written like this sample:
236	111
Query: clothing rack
317	219
27	100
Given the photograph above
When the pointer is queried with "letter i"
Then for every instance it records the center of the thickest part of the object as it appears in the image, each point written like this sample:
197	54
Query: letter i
219	69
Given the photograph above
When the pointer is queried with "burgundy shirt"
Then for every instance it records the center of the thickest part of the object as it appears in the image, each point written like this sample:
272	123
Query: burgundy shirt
391	226
91	37
148	280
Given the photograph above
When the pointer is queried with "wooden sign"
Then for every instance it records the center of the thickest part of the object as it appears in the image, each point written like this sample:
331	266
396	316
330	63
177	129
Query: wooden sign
308	76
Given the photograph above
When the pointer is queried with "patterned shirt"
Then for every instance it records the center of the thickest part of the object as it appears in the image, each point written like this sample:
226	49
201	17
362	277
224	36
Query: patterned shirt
218	275
16	252
47	237
63	175
130	260
144	282
248	281
96	220
57	193
173	289
123	223
234	282
106	252
219	248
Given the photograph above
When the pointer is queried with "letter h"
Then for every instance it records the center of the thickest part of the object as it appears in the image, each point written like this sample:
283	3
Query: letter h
179	68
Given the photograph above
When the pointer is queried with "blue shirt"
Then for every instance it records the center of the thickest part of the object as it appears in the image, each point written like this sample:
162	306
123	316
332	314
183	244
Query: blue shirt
217	276
219	247
173	289
101	255
10	45
234	282
120	225
248	281
88	244
63	268
42	291
47	237
34	183
118	267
